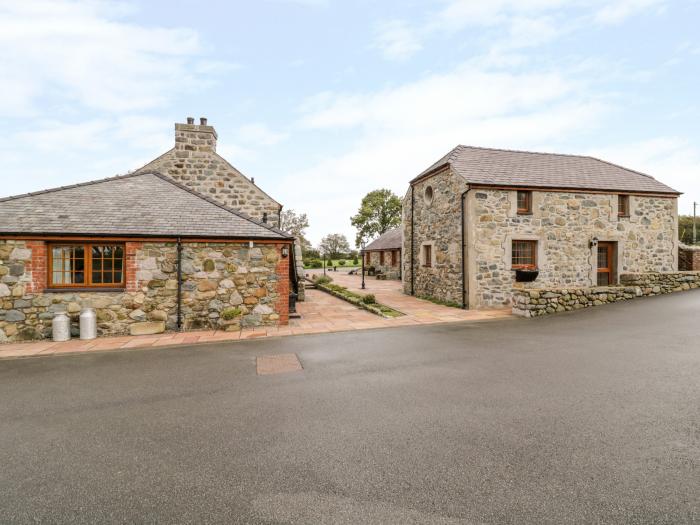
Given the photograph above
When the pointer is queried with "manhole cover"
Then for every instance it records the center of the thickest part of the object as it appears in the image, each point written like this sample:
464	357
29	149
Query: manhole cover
278	364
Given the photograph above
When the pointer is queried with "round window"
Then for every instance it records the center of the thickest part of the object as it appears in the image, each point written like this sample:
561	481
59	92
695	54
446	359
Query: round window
428	195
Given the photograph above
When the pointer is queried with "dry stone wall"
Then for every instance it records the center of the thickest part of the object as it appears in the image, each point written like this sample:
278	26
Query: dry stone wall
689	258
537	302
225	286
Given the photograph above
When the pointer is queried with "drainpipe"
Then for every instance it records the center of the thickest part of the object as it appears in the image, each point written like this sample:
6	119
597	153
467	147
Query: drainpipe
464	259
413	280
179	284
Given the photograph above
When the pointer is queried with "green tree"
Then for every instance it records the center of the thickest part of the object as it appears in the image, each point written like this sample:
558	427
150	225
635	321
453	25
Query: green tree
379	212
685	229
296	224
335	246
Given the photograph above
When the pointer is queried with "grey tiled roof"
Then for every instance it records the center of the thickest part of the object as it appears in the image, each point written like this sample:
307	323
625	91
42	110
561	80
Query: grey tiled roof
391	240
498	167
140	204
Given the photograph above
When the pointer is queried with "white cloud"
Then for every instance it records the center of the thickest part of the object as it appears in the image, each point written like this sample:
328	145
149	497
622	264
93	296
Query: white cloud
672	160
260	134
404	129
397	40
82	52
617	12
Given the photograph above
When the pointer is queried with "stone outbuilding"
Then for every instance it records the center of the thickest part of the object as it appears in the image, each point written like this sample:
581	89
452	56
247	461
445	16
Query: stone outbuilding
384	254
478	215
149	254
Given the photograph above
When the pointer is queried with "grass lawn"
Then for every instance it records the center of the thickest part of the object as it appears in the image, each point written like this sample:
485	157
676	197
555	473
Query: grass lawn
334	263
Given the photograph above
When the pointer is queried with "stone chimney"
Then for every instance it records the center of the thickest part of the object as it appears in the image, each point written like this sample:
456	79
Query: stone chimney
192	137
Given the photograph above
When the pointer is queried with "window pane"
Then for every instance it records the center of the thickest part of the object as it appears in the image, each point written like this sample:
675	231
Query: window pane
523	255
603	279
117	277
96	278
107	278
602	257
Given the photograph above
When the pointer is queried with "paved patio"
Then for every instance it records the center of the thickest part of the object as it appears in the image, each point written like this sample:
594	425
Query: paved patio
320	313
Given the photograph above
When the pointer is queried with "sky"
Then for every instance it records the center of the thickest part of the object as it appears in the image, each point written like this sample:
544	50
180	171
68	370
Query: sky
322	101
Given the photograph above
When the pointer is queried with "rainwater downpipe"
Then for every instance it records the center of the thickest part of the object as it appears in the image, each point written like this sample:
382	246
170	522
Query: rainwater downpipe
464	251
179	284
413	280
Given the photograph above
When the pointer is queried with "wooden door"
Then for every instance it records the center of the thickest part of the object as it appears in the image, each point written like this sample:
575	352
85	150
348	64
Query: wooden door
606	263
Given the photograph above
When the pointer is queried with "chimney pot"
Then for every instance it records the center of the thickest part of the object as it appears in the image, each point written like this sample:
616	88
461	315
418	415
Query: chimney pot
252	179
203	121
190	120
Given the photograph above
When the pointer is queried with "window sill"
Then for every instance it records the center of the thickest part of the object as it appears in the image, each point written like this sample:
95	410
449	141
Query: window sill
83	290
526	213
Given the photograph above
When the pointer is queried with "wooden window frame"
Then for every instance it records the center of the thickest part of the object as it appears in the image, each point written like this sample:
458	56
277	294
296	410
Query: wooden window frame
534	245
381	258
394	257
527	209
428	255
623	210
88	284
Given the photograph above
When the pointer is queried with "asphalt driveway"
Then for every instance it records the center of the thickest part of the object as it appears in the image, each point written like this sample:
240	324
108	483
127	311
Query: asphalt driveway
577	418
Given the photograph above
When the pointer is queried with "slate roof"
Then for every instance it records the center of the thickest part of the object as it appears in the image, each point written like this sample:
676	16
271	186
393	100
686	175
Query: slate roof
499	167
391	240
139	204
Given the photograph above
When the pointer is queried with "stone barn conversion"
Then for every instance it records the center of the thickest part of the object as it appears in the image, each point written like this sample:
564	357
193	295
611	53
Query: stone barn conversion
384	254
150	251
476	216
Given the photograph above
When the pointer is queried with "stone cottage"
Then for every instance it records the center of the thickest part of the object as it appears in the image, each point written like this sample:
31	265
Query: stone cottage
476	216
148	253
384	254
194	163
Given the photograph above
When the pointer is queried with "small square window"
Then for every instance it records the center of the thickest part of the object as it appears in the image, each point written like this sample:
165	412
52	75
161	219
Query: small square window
623	205
524	202
524	255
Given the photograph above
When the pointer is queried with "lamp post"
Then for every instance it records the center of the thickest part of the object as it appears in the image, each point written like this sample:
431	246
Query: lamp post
362	254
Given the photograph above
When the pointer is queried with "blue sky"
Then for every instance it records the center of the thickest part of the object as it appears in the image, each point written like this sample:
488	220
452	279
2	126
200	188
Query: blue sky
322	101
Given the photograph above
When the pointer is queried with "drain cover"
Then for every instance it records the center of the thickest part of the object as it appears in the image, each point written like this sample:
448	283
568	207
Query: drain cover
278	364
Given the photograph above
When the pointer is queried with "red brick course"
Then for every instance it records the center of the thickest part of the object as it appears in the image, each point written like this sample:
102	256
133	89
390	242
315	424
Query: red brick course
282	270
132	284
37	267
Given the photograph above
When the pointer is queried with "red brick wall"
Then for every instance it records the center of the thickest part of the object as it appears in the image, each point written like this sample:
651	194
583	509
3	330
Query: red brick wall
37	267
132	284
689	259
282	270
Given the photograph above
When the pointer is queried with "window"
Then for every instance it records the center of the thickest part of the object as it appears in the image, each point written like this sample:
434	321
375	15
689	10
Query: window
524	202
381	258
394	258
524	255
428	195
367	258
427	255
623	205
86	265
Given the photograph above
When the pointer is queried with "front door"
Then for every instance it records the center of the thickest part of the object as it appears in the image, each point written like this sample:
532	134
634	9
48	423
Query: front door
606	263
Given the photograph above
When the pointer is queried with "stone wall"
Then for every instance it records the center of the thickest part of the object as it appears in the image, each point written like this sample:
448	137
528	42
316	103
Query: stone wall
689	258
436	222
225	286
530	302
563	224
194	163
392	271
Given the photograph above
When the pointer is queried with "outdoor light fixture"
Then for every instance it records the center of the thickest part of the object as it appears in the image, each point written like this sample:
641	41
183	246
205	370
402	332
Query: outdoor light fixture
285	251
594	242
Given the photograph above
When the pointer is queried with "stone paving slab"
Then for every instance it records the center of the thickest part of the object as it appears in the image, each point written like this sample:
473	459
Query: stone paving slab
320	313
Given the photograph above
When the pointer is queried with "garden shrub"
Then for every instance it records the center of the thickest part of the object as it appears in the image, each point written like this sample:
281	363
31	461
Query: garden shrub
230	313
341	262
369	299
323	279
